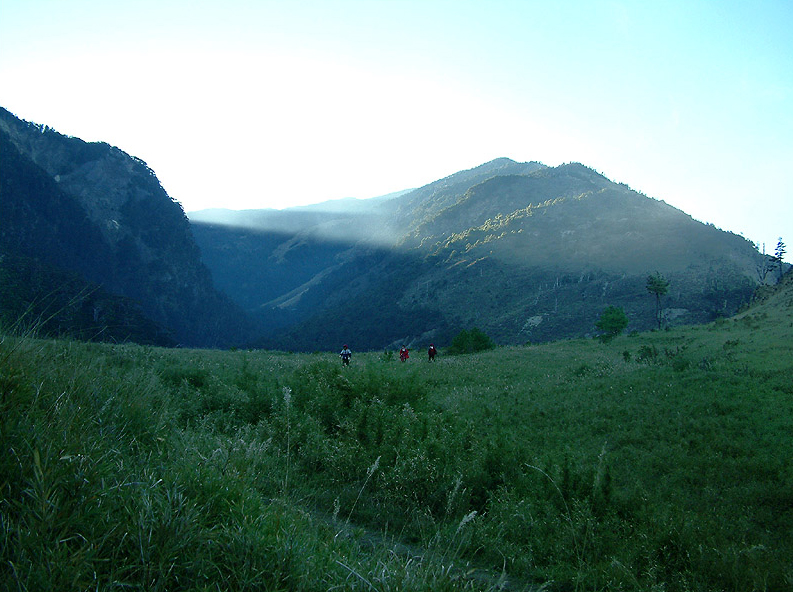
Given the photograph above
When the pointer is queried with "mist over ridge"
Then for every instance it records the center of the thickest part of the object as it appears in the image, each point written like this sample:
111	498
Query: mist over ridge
545	247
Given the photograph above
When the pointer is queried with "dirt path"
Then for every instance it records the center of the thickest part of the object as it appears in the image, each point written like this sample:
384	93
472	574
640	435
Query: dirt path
479	578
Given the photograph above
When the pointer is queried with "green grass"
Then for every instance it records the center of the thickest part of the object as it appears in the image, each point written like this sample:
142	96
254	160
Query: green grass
658	461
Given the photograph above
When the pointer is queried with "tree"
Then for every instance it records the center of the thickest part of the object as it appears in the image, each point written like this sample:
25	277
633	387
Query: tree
468	342
776	259
612	322
657	285
765	266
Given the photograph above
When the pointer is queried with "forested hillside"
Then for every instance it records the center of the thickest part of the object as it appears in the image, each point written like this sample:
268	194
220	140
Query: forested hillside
92	209
524	251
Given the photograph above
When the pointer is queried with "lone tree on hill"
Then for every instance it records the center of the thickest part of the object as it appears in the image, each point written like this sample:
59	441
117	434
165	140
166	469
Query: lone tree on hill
658	285
612	322
765	266
776	260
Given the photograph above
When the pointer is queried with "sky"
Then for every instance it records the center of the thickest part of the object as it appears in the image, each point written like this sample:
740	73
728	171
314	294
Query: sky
269	104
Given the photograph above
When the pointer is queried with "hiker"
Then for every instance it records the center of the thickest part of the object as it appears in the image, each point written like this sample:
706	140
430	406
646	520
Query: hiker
403	353
345	354
431	352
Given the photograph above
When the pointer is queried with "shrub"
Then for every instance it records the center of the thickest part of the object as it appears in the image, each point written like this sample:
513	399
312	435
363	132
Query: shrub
647	354
469	342
612	322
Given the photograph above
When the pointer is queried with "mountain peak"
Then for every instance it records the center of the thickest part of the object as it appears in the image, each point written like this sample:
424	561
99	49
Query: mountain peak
497	163
501	165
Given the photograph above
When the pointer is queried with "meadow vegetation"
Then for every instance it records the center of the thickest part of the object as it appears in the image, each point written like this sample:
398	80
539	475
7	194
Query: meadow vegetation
657	461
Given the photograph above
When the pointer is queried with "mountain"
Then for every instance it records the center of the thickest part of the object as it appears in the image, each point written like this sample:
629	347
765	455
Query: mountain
523	251
91	209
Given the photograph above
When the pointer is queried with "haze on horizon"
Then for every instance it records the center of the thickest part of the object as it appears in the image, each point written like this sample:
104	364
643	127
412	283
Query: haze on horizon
268	104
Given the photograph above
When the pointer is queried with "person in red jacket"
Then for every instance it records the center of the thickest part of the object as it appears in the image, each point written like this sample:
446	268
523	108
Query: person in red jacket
404	353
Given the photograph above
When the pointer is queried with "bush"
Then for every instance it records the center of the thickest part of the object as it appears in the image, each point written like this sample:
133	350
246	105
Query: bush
468	342
612	322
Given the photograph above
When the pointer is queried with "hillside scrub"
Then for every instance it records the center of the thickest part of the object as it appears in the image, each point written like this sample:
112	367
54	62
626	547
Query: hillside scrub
653	461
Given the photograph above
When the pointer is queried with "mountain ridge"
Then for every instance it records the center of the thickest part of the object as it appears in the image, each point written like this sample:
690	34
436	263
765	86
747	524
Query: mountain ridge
528	252
524	251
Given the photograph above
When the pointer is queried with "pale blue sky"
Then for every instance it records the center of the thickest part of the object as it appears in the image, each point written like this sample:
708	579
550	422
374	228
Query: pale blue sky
248	104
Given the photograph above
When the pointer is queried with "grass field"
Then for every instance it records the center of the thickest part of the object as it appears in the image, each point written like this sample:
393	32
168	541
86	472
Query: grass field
658	461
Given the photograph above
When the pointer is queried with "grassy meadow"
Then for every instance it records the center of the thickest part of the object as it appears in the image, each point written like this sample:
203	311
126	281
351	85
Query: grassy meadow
657	461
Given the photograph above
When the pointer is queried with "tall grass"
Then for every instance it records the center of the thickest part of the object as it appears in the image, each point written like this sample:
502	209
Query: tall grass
656	461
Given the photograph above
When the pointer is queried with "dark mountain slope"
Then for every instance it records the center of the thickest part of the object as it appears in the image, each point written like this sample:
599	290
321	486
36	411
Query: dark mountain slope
267	258
94	209
39	299
42	221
